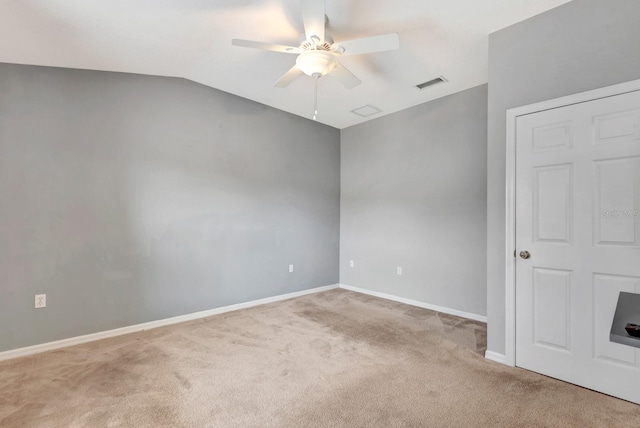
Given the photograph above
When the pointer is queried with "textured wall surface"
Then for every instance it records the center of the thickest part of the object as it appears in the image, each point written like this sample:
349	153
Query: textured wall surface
129	198
414	195
579	46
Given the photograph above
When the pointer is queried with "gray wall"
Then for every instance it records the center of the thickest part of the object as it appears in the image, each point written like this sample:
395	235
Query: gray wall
414	195
582	45
130	198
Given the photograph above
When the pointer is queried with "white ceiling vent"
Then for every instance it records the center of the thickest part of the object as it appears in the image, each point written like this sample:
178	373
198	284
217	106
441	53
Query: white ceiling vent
436	81
366	111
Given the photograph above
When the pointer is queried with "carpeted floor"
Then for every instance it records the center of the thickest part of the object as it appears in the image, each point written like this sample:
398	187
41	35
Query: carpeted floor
334	359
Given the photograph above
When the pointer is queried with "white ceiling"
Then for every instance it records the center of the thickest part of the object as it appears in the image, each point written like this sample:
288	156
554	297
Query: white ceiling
192	39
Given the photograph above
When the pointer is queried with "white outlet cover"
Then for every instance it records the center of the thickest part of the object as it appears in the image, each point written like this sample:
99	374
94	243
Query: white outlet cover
351	263
399	270
40	301
290	268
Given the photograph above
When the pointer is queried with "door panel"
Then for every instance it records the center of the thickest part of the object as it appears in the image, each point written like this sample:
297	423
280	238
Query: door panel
606	289
617	192
617	127
551	308
557	136
578	214
552	209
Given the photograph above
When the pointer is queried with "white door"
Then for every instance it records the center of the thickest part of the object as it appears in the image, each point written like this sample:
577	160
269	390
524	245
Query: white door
578	215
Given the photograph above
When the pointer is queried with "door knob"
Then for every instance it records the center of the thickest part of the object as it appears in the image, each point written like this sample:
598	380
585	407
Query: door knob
525	254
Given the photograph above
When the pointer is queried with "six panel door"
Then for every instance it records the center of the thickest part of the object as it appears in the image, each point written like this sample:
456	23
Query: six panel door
578	215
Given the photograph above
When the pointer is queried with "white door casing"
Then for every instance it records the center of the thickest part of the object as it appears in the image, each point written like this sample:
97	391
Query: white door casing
577	196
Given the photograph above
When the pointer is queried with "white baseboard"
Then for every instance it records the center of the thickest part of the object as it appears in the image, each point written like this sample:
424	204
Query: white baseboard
417	303
50	346
494	356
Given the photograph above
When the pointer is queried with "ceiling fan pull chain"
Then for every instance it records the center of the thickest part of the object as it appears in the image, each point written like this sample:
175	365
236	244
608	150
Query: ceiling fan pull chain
315	99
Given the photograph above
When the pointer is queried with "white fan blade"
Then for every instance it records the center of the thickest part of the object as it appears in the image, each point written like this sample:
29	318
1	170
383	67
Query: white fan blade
385	42
313	18
345	77
291	75
265	46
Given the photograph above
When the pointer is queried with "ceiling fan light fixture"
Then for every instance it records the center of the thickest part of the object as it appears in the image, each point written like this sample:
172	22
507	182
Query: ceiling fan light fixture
313	63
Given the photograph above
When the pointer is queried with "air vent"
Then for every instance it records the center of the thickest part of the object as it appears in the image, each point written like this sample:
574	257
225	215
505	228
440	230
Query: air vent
431	82
366	111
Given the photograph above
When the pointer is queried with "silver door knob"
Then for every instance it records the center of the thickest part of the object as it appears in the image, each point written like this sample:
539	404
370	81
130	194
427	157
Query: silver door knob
525	254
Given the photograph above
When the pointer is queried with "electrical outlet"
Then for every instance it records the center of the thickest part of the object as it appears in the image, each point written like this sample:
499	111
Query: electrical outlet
290	268
351	263
41	301
399	270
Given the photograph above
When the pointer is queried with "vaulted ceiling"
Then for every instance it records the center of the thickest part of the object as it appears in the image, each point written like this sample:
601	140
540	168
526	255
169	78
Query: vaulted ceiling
192	39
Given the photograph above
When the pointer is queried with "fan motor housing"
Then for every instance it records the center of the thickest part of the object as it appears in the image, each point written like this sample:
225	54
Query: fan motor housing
310	46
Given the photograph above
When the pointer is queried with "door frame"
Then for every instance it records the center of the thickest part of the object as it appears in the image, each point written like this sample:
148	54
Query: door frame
510	189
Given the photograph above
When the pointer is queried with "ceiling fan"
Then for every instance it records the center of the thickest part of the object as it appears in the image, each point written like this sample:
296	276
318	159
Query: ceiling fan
318	53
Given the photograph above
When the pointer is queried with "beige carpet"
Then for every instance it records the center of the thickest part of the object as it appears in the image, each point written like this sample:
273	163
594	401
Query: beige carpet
327	360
